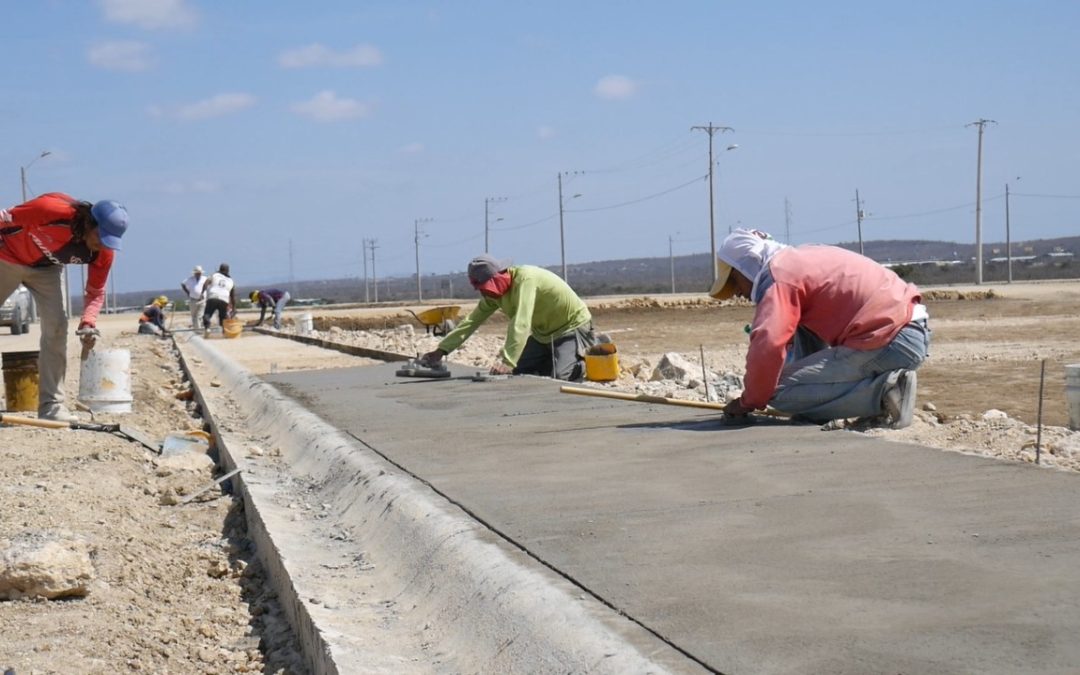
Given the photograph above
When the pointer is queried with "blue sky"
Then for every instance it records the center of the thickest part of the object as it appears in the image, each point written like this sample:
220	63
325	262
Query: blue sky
230	129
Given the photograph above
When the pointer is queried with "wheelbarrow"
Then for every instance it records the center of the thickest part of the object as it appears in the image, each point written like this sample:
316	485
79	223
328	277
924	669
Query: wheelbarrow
438	320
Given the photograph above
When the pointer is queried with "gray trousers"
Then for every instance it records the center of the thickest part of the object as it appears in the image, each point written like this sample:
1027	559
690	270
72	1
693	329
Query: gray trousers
825	383
562	359
44	284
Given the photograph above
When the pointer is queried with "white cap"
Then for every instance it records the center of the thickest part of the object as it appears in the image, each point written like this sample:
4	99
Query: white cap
198	269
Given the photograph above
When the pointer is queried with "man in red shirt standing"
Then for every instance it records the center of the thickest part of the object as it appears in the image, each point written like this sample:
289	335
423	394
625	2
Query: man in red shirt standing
835	334
36	239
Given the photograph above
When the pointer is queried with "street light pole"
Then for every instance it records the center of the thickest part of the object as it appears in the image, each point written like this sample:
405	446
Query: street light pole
562	230
22	171
710	129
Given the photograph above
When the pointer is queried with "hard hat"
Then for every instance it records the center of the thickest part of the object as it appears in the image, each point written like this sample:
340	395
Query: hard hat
254	296
112	221
161	301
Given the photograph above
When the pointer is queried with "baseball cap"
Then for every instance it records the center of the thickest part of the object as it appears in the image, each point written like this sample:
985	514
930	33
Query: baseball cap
112	222
198	269
483	267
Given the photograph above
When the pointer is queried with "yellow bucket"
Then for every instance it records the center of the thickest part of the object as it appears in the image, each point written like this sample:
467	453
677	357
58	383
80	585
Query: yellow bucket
21	381
602	363
232	327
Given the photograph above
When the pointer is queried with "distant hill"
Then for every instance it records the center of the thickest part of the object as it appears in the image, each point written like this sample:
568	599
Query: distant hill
925	262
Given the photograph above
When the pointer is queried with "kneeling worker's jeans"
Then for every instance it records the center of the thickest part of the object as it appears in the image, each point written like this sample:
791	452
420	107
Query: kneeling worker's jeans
827	383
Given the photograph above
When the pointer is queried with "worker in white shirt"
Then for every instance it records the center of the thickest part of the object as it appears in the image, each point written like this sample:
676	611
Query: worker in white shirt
193	287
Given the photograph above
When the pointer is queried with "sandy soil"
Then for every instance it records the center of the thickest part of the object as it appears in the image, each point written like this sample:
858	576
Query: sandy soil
176	588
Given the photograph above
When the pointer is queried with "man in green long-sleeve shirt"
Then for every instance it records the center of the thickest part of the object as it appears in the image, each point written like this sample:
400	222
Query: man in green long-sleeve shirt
550	327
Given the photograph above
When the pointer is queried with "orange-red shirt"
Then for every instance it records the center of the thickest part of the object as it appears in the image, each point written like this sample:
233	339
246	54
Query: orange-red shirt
842	297
38	234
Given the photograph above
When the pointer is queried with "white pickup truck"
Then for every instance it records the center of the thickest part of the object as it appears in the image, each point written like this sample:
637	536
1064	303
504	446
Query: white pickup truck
18	311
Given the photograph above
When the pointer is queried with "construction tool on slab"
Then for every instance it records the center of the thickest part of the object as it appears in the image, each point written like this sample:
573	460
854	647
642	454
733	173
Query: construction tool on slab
414	368
123	432
649	398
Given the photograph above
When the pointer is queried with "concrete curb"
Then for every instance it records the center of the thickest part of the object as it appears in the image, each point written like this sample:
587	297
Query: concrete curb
465	598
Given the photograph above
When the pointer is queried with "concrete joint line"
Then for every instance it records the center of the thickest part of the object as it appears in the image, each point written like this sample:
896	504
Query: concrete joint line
482	603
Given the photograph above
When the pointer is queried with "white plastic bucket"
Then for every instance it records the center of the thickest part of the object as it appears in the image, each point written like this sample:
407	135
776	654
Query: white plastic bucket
1072	394
305	323
105	381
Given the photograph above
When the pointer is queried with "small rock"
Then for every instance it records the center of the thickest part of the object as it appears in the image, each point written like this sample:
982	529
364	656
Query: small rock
929	407
994	414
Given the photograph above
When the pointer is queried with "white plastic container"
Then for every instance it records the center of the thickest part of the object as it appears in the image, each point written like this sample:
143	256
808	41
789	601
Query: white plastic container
1072	394
105	381
305	324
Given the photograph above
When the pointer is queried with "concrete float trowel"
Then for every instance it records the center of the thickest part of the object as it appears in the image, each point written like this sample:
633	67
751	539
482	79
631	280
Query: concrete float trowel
439	371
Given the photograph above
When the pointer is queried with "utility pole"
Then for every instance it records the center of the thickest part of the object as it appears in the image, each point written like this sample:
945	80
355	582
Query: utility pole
374	276
1008	238
292	279
710	129
858	219
487	227
416	240
787	221
364	256
671	257
978	201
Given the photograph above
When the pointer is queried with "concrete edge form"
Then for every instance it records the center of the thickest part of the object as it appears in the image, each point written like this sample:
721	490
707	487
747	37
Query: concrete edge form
468	600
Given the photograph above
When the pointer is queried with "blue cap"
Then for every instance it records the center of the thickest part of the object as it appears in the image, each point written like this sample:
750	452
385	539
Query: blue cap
112	221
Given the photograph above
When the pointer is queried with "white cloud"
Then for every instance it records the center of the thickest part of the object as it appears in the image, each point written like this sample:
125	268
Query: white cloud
545	133
616	87
360	56
128	56
327	107
412	148
215	106
150	14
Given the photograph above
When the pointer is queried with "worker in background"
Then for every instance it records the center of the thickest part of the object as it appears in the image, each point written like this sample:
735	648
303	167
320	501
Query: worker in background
857	331
220	294
193	289
550	327
152	321
36	239
270	298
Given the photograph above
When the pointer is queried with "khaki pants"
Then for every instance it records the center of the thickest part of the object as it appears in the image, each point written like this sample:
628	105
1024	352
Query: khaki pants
198	306
44	284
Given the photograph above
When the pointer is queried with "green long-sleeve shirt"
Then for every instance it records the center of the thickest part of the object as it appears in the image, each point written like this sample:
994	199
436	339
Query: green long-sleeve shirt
539	304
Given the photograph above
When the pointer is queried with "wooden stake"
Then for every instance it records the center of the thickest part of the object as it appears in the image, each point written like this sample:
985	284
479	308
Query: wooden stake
1038	434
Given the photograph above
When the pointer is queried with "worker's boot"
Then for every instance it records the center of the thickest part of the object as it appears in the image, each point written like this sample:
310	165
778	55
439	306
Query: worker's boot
898	401
57	412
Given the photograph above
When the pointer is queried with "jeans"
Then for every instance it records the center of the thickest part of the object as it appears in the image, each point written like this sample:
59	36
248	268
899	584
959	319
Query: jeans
823	383
562	359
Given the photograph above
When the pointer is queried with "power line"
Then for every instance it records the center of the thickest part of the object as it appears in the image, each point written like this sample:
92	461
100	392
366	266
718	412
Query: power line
643	199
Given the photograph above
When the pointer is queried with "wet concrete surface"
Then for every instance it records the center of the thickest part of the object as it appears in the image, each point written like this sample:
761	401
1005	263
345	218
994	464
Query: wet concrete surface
766	548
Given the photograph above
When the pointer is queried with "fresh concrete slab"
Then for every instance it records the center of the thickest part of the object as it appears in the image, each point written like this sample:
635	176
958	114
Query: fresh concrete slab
758	549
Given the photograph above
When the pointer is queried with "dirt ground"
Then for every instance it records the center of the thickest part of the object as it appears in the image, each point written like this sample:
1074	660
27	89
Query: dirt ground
176	587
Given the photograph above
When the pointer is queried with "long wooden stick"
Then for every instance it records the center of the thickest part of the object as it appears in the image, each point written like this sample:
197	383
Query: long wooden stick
640	398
